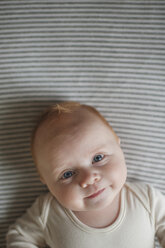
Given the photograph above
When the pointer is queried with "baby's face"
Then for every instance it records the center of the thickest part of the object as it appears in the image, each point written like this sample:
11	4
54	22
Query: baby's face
83	166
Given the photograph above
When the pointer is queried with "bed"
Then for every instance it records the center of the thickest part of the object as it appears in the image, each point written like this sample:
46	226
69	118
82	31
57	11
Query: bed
108	54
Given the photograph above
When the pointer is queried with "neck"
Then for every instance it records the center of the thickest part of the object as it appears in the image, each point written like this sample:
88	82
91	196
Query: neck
100	218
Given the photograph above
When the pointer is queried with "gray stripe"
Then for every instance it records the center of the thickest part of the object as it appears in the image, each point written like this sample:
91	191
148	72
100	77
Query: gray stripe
107	54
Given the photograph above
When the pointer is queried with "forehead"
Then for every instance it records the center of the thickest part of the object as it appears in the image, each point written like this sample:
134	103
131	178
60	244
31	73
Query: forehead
80	118
87	132
65	123
83	131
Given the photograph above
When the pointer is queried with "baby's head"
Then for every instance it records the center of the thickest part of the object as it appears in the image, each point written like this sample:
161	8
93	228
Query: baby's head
78	154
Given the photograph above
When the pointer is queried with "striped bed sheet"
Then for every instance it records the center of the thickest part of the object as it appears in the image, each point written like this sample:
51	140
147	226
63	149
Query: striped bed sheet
108	54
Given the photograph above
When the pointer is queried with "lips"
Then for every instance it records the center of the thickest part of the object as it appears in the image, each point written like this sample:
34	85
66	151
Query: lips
96	194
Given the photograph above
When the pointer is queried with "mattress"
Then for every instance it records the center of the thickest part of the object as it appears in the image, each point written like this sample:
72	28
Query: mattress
108	54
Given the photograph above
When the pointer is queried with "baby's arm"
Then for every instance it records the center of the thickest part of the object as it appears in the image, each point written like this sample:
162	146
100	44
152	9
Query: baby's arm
158	210
28	231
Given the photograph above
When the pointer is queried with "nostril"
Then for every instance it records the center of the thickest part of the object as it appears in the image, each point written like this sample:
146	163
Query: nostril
89	179
84	185
96	177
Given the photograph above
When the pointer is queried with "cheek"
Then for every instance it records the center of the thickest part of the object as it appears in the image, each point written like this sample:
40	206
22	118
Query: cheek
65	194
117	169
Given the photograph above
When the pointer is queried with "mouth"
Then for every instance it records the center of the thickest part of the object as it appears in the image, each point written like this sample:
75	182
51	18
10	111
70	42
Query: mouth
95	194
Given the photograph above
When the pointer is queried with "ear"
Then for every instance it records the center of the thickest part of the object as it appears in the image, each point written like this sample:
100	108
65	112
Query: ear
119	141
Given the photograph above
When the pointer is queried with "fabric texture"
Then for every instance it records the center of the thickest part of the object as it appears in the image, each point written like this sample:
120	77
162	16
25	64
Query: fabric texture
108	54
47	222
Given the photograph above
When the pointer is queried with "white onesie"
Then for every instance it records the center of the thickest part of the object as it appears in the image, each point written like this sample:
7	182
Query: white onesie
47	223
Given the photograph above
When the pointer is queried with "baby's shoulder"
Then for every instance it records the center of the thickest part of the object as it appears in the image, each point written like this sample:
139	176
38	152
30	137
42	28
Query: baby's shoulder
42	206
142	192
44	200
138	187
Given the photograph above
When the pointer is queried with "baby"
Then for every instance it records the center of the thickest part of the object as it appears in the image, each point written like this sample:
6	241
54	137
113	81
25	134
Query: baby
90	204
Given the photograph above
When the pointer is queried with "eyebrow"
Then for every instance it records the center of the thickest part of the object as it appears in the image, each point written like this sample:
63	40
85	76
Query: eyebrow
58	170
62	167
98	148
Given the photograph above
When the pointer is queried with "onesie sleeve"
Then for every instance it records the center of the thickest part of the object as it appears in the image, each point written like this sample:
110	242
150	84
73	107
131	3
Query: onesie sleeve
158	211
28	230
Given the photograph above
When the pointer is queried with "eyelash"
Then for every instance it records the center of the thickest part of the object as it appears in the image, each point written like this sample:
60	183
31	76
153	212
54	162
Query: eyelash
67	172
62	178
99	155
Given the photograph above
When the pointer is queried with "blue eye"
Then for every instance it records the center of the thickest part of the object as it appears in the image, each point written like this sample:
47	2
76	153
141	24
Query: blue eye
98	158
68	174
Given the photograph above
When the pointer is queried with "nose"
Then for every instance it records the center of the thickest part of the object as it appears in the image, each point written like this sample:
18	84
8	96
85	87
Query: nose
89	178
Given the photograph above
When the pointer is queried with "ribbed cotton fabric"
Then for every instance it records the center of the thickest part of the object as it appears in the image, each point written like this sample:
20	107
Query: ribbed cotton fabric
108	54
